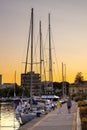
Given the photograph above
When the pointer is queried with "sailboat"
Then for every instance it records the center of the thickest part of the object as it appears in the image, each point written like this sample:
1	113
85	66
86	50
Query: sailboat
32	113
25	117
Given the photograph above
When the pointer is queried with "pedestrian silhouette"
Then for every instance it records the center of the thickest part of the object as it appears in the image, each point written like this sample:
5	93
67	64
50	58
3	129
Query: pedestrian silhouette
59	105
69	105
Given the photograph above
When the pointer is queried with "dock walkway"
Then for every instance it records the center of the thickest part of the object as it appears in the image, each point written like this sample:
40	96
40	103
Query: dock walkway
54	121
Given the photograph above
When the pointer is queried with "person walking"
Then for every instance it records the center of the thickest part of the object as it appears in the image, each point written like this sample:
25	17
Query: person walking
59	105
69	105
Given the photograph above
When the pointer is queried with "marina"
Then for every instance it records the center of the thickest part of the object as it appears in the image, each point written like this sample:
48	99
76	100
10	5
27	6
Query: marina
43	69
7	117
17	113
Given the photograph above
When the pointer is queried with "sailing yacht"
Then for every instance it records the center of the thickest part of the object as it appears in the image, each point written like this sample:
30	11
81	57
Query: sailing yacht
28	81
25	117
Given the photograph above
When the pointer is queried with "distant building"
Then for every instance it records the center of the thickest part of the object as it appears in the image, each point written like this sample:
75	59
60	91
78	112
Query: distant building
47	87
78	88
7	85
0	79
36	82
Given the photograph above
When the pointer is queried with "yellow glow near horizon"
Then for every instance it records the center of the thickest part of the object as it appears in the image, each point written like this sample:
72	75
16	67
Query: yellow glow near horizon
9	76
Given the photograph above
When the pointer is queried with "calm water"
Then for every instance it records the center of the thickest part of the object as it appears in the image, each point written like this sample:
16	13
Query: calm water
7	117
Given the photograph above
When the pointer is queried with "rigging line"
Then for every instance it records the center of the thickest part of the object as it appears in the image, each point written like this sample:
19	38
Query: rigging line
55	57
43	61
35	50
45	56
54	73
28	48
36	46
45	41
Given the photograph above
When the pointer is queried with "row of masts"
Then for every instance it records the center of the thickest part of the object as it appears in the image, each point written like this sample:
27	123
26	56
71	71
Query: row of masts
50	54
41	59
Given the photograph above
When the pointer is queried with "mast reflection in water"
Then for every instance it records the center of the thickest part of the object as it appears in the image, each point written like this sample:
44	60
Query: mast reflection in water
7	117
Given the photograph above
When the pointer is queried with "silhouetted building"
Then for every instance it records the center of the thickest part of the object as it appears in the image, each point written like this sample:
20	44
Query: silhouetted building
47	87
26	82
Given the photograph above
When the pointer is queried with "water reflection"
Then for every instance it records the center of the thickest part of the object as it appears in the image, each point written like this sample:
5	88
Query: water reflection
8	120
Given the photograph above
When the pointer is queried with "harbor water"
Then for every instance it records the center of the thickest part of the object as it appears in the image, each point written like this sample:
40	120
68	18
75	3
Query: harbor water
7	117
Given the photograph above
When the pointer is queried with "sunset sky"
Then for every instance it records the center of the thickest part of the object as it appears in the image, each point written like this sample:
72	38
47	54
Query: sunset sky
69	33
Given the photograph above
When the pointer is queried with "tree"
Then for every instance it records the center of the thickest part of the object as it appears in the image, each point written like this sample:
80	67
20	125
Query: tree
79	78
57	86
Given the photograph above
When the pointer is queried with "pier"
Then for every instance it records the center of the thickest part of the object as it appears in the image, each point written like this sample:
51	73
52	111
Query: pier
54	121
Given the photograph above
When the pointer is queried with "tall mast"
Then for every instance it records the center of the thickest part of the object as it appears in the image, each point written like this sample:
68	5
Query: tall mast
50	56
31	56
31	39
40	54
40	50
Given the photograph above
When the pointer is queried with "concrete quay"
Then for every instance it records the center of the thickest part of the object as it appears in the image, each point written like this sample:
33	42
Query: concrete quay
54	121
